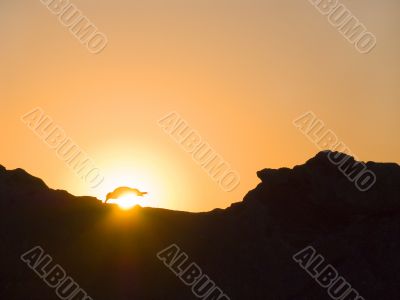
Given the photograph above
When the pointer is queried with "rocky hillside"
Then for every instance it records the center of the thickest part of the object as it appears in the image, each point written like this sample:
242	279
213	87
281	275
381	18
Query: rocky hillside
246	249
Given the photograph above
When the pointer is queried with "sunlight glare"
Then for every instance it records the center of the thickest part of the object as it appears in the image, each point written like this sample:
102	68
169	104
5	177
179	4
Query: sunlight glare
128	201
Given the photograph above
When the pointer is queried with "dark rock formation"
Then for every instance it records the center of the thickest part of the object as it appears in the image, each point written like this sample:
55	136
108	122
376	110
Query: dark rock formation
246	249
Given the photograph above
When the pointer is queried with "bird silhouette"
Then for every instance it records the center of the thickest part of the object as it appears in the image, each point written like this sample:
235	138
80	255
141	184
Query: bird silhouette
118	192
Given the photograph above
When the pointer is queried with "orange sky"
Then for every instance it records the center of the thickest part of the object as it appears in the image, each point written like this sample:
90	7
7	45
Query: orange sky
238	72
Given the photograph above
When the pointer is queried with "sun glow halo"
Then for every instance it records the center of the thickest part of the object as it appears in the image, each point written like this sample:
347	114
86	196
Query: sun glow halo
128	201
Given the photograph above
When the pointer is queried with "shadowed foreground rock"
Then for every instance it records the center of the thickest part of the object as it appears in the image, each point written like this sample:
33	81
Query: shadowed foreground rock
246	249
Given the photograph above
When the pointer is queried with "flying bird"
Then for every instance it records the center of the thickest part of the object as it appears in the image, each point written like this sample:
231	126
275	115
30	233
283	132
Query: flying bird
118	192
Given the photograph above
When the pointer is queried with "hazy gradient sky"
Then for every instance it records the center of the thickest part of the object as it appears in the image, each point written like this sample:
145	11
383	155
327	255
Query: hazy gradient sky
238	71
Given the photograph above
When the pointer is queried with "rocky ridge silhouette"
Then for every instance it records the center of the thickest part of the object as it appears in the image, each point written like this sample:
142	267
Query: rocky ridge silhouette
246	249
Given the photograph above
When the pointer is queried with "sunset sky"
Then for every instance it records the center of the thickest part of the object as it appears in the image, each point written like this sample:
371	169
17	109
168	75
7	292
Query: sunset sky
239	72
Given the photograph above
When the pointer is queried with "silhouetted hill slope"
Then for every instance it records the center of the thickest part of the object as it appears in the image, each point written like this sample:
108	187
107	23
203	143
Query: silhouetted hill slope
246	249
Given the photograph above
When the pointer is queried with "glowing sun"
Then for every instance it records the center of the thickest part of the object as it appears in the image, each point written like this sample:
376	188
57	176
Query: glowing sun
128	201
